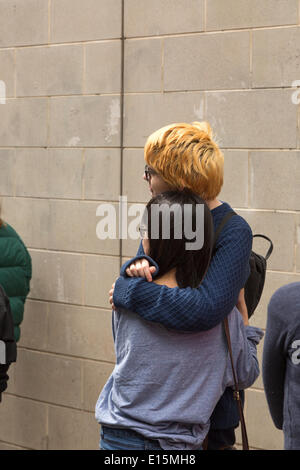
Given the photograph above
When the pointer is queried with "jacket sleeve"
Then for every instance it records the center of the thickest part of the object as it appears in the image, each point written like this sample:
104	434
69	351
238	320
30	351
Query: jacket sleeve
244	340
196	309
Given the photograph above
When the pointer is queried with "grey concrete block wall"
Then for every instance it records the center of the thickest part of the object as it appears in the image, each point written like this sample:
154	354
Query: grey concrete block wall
235	64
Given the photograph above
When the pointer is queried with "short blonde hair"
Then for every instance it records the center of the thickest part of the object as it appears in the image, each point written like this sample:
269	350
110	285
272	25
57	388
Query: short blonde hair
185	155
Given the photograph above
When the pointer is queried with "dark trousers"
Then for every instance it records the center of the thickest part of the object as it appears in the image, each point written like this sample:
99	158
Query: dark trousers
219	439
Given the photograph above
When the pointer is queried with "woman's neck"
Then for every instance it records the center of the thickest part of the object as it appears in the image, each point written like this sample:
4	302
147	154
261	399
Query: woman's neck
168	279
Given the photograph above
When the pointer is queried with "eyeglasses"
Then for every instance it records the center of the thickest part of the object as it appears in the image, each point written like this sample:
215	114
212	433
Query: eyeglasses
143	231
149	172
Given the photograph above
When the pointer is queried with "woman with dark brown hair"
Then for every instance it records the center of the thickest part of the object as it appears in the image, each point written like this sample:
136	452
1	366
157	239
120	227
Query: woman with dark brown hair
166	383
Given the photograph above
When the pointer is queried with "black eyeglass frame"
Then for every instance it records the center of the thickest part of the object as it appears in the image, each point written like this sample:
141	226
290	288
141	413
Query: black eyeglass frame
149	172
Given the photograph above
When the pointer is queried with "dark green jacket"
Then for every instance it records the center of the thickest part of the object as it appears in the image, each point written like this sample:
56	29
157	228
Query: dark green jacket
15	273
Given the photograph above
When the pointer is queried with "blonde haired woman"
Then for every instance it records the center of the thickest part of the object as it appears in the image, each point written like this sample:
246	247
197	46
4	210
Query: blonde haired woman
183	155
186	156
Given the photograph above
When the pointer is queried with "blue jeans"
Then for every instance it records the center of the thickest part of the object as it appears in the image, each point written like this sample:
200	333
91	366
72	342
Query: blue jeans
125	439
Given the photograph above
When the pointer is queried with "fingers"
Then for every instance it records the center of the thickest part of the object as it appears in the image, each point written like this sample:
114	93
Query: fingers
149	271
140	268
111	294
111	301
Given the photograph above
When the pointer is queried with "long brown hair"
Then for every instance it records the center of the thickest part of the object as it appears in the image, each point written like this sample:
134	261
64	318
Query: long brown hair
191	265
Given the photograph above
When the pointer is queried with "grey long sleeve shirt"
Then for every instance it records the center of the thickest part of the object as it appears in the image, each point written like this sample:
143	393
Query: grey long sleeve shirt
281	362
166	384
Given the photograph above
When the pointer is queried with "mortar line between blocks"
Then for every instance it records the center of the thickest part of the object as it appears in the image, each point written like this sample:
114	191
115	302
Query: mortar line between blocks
249	181
49	21
204	15
15	73
193	33
162	65
83	163
251	59
83	69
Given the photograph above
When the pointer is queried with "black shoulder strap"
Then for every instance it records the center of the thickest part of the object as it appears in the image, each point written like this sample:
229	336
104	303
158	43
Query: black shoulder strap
236	392
222	224
271	244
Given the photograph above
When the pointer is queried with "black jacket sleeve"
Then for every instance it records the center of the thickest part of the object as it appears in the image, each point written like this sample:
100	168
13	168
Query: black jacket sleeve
3	378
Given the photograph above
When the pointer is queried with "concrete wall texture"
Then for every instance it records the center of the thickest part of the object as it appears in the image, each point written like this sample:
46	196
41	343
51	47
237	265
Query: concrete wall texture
233	63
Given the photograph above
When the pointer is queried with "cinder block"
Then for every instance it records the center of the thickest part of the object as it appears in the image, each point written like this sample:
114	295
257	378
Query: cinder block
72	430
43	173
276	57
262	433
46	71
143	65
143	18
49	378
161	110
250	13
100	273
130	247
56	276
103	67
282	169
33	226
242	119
24	122
207	62
7	171
71	20
7	71
80	331
101	166
235	187
95	377
280	228
73	228
273	282
91	121
34	328
23	422
134	186
23	23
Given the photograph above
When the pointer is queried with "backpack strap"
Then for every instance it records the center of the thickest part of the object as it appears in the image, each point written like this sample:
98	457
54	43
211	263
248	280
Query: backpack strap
220	227
271	244
236	388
